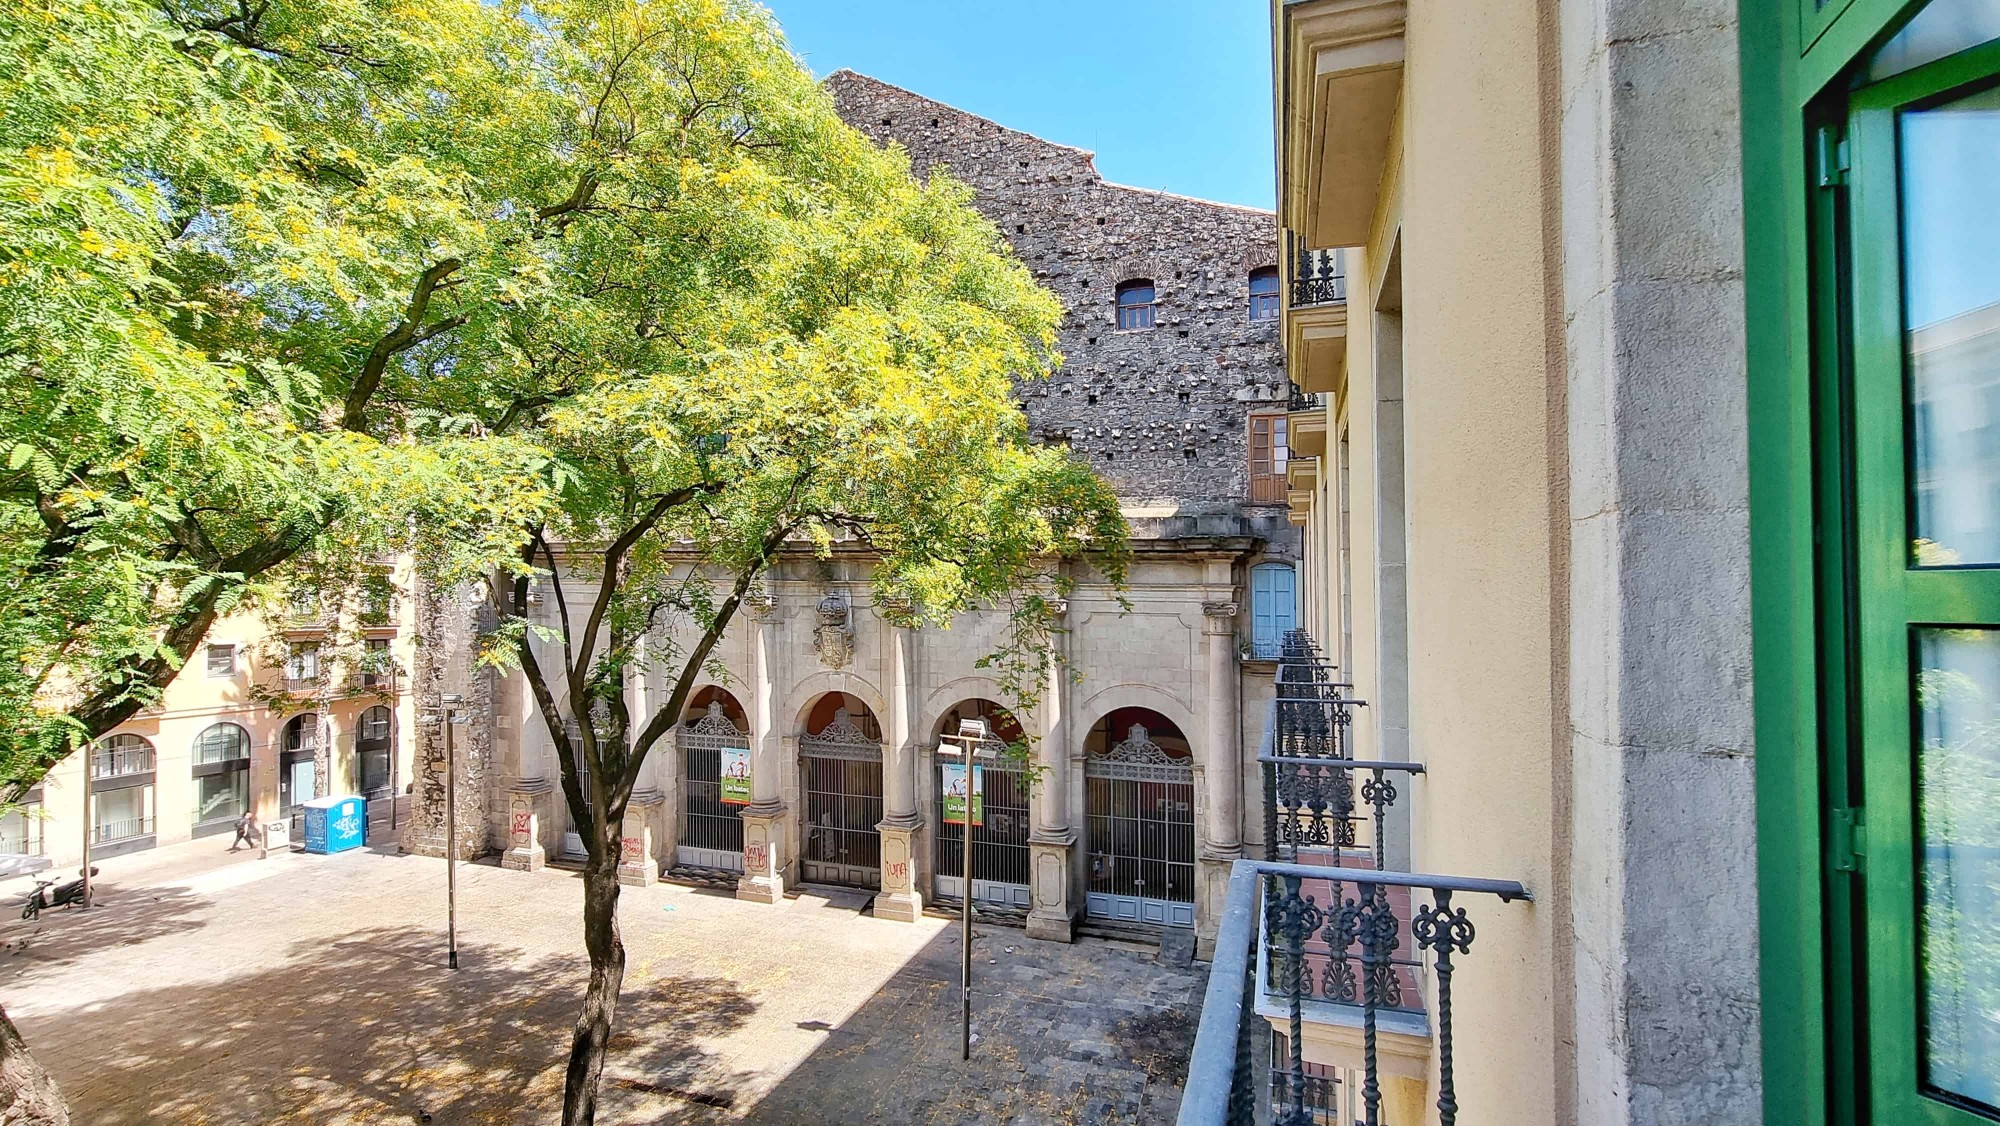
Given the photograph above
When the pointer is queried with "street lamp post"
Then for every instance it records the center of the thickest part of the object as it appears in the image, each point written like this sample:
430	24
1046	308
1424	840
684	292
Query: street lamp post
971	739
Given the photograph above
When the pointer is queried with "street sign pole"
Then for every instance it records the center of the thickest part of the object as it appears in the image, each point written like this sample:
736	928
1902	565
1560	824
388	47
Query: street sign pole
451	701
972	734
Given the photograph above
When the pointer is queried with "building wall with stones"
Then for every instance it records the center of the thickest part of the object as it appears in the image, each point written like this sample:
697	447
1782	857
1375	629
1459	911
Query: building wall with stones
1162	413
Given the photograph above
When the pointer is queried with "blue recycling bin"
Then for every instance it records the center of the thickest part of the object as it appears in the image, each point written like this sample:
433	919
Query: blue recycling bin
336	824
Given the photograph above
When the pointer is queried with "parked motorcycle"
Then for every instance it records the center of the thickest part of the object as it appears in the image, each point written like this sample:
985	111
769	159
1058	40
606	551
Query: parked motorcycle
49	893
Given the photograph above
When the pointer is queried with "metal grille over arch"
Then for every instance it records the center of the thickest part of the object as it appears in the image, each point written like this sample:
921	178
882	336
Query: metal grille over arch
841	768
1139	802
711	830
1000	838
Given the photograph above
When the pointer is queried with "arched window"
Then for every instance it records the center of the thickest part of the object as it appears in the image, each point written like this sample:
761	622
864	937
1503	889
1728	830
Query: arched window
1273	607
221	777
1135	304
121	796
1264	293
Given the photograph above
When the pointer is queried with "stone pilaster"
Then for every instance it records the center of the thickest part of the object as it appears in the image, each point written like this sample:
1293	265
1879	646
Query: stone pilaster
1222	770
1052	842
765	864
902	828
1051	859
637	864
525	802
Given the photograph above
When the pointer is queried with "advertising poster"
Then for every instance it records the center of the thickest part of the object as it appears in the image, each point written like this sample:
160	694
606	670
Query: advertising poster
956	791
736	775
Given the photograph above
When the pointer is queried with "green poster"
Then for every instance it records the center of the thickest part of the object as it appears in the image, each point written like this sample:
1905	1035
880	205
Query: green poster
736	776
955	791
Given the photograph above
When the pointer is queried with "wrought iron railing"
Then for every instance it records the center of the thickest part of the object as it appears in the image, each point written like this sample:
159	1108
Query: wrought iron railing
1322	931
1299	400
1319	277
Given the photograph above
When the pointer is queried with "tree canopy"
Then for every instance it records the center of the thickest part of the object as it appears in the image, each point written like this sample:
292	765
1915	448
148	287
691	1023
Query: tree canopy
287	285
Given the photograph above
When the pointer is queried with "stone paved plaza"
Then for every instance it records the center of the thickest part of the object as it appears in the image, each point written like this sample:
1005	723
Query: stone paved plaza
218	989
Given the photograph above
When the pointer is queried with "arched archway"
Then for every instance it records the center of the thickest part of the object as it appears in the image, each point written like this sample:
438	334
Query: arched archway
840	769
1138	773
998	792
714	744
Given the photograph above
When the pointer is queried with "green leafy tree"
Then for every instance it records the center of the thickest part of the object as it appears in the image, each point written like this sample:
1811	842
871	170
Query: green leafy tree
233	239
761	335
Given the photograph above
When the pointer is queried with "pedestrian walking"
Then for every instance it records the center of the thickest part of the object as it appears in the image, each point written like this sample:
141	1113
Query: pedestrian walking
246	831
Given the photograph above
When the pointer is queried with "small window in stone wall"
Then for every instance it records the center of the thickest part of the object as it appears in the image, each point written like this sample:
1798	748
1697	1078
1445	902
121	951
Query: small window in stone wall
1264	293
1135	304
1268	455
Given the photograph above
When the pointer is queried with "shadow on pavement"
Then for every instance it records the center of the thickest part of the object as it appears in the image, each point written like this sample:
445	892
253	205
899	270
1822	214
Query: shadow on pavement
372	1029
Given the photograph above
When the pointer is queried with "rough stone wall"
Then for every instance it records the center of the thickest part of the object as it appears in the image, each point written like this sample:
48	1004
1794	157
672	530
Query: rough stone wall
448	624
1162	413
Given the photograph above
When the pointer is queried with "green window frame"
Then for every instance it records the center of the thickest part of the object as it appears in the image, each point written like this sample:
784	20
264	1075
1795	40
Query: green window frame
1837	602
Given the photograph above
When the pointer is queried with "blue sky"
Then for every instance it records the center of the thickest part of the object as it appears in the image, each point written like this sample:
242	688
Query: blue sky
1170	94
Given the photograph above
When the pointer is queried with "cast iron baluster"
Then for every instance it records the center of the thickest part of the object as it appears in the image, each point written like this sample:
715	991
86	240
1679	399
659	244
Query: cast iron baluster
1299	916
1377	926
1439	928
1244	1091
1380	792
1273	846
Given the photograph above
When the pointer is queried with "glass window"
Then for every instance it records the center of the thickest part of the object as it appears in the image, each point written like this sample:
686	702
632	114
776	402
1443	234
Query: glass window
121	754
302	733
1264	293
222	796
1135	304
378	600
21	831
303	661
376	664
1942	27
222	660
1958	840
118	815
375	724
224	742
1950	157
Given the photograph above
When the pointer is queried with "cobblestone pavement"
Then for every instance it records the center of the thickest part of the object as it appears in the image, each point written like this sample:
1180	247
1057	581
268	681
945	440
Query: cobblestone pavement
219	989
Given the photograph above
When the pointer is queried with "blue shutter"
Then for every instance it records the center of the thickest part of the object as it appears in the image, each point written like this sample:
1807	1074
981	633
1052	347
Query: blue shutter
1273	607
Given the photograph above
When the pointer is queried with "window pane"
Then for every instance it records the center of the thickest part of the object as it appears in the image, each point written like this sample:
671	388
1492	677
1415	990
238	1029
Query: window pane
118	814
1941	28
222	743
221	797
1951	307
1958	812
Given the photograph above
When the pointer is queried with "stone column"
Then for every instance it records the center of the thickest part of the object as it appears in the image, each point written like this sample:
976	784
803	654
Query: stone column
902	828
1222	769
1052	843
764	861
527	769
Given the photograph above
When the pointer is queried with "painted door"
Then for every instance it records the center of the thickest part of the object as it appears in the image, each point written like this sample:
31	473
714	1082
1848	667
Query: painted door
1919	832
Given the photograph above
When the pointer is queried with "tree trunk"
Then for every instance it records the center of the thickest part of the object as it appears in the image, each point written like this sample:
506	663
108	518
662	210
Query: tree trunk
600	998
28	1095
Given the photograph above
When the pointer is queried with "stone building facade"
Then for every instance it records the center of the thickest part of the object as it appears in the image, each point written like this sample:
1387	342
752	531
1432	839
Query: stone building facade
1136	802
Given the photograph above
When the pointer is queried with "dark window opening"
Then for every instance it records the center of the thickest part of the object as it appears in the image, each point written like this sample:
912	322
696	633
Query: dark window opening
1264	293
1135	304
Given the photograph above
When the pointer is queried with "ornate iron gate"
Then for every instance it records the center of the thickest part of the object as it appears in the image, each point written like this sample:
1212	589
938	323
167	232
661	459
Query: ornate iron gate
1139	801
711	832
999	846
842	768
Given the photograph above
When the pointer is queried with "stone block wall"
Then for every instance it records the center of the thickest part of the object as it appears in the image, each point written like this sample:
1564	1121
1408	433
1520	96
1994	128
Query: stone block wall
1162	413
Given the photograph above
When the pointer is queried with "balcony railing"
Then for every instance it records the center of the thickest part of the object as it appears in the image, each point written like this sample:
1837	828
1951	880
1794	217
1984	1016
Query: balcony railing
1322	932
1300	401
1319	277
122	761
